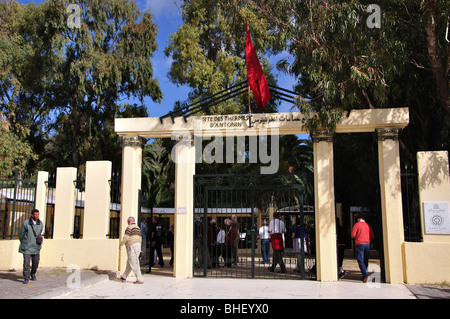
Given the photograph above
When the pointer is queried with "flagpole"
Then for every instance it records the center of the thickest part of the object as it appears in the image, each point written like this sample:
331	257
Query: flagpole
249	108
248	86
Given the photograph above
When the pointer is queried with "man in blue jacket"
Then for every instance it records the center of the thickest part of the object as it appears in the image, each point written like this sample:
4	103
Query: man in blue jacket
30	246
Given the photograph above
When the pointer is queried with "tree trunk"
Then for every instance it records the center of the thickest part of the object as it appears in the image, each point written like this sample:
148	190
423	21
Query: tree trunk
436	63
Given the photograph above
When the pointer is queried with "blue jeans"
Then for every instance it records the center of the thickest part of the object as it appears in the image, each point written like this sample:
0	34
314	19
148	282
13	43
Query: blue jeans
265	249
362	256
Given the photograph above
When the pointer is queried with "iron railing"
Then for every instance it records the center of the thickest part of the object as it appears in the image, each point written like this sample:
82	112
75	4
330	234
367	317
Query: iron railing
17	200
251	199
411	205
114	218
80	184
50	206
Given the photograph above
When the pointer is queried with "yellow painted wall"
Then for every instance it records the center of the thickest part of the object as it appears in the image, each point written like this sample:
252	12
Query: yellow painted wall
429	261
426	263
86	253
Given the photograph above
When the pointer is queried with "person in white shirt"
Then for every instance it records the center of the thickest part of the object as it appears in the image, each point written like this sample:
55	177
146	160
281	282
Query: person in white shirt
265	241
220	244
276	231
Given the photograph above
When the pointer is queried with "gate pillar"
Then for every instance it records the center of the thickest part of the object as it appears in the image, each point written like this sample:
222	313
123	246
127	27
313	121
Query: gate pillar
391	203
184	157
131	183
64	202
325	220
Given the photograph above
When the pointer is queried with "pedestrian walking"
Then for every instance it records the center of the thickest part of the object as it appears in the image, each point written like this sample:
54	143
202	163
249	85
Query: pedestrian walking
30	245
265	242
144	230
276	231
362	233
156	242
132	240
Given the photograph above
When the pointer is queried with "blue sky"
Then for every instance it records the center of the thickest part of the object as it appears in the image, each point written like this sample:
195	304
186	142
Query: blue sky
167	15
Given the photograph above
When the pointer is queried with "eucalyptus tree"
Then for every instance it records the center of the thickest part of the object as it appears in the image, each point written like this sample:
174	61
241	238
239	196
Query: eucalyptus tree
65	69
208	50
352	54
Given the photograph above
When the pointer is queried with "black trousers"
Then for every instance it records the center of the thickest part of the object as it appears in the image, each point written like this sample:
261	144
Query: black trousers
27	260
156	247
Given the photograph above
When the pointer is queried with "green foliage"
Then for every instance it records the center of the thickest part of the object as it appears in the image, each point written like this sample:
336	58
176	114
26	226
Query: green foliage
60	86
157	171
13	153
208	50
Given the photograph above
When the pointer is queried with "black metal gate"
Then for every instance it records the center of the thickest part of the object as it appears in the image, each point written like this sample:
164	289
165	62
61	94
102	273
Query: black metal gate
17	200
230	211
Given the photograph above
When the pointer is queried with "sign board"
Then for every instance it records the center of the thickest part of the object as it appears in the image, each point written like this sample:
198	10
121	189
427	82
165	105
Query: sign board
436	217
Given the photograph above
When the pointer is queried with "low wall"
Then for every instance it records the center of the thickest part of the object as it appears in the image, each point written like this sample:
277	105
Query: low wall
100	254
426	263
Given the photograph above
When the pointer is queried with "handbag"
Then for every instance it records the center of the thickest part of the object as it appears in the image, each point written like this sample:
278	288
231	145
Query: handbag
39	239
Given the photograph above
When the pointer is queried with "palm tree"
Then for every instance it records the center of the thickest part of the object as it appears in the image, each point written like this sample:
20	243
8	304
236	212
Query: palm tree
156	166
296	156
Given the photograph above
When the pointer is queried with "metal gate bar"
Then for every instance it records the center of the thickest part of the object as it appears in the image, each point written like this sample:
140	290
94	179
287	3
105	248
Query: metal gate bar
219	202
17	199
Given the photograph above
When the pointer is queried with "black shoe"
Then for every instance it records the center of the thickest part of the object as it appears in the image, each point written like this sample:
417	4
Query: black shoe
33	277
25	281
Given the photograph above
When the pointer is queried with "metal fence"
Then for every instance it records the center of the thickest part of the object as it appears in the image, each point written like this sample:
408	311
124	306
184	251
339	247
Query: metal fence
80	185
229	211
17	200
50	206
411	205
115	193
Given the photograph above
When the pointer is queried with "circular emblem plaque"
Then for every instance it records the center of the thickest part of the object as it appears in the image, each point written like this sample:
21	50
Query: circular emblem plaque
437	220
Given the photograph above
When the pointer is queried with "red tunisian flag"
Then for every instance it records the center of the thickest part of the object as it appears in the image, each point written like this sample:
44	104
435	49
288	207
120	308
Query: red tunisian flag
255	75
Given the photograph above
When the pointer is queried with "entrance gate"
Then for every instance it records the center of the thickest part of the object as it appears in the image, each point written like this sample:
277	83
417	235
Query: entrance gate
387	123
251	200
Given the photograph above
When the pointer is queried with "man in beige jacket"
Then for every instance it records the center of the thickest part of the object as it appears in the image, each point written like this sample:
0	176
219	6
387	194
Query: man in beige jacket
132	241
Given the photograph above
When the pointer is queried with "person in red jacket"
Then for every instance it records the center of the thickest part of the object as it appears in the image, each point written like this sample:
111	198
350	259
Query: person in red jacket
362	233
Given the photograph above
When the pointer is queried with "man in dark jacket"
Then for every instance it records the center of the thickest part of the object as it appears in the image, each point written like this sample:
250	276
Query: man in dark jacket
156	241
30	246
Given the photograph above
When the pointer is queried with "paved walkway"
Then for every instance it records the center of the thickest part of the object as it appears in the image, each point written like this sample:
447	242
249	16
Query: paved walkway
90	284
51	282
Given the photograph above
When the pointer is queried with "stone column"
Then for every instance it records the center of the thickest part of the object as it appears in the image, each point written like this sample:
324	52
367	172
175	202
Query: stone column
131	183
41	196
325	220
391	203
64	202
184	157
98	199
